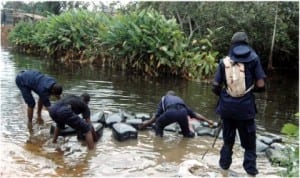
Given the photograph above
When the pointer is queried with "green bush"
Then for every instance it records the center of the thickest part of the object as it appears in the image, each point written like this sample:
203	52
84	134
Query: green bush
146	41
292	166
141	41
21	36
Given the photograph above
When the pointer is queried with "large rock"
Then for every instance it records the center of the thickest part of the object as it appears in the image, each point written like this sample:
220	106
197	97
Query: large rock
261	146
279	157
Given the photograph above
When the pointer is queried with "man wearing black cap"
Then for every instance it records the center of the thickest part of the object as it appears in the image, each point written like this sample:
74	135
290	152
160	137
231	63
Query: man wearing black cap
236	104
43	85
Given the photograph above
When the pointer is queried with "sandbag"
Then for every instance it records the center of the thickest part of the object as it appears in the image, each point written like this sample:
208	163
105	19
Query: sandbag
98	117
98	129
63	132
269	139
113	118
261	146
142	116
201	131
174	127
134	122
69	131
123	131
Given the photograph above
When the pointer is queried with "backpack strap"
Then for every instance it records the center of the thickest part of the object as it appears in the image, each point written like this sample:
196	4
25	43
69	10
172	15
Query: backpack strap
163	103
227	61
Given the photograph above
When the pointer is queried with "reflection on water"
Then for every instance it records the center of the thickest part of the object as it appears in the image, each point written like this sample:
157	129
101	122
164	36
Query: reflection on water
25	154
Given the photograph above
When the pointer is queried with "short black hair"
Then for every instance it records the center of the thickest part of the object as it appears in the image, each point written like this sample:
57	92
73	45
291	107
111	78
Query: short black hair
171	92
56	89
85	97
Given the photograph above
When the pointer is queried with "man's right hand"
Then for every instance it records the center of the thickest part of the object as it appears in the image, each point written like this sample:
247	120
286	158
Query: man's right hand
141	126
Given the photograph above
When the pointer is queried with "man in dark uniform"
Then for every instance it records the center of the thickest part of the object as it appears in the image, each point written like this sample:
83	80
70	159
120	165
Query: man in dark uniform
172	108
43	85
239	112
66	111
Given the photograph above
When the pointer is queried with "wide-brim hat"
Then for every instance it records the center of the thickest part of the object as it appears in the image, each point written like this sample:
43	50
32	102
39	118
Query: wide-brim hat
242	53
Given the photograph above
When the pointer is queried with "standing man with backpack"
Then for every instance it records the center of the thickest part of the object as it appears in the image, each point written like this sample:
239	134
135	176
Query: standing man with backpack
241	73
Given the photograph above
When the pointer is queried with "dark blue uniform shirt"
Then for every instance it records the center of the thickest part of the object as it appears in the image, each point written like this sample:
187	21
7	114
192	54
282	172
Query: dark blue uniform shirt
169	100
239	107
39	83
78	106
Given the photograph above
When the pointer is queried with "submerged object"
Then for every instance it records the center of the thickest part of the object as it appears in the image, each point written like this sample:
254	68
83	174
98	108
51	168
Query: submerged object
188	168
63	132
98	129
69	131
123	131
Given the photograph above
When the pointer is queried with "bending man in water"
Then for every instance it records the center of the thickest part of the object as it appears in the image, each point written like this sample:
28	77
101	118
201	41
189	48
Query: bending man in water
66	111
172	108
43	85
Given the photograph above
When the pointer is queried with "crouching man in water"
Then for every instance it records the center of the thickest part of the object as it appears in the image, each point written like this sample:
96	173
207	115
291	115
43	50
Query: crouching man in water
172	108
66	111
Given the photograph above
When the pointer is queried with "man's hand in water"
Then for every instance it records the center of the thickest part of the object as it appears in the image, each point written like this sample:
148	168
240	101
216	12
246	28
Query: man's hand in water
40	120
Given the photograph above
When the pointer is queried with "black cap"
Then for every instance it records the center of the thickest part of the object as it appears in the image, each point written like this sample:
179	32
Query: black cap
239	37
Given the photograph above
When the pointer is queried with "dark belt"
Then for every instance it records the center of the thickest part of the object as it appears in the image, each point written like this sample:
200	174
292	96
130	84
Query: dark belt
175	106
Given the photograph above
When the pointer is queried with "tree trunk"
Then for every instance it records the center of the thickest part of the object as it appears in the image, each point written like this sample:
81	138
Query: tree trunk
270	61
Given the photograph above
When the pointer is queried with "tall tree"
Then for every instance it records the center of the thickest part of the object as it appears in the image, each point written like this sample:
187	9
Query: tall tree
270	61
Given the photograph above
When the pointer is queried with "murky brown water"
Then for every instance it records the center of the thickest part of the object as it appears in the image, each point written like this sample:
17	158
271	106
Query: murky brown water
30	155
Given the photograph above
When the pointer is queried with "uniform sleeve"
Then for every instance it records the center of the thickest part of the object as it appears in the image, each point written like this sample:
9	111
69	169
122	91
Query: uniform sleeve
45	99
259	72
44	89
219	78
190	112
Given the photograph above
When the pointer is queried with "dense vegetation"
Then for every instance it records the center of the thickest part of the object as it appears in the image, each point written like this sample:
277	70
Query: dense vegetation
292	150
183	39
144	41
256	18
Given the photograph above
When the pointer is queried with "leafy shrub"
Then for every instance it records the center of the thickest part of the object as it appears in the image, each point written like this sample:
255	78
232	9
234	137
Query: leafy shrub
292	165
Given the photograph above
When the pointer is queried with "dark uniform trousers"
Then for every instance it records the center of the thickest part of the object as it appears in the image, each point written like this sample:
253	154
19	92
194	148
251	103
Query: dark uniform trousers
62	114
174	113
247	133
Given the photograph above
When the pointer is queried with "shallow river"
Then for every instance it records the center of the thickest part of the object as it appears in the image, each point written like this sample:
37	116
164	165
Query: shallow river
25	154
